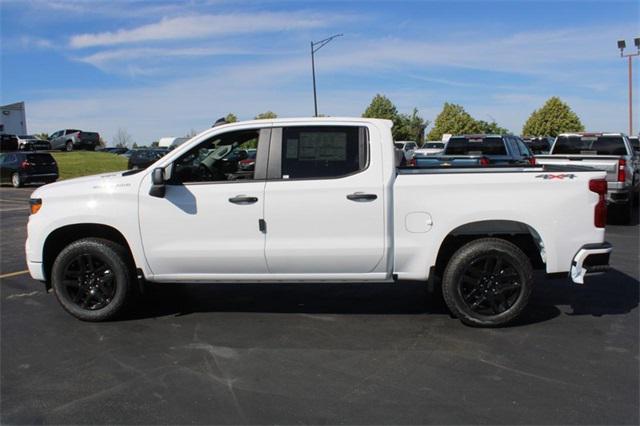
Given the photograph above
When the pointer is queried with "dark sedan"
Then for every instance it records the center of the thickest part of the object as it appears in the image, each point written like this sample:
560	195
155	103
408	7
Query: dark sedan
20	168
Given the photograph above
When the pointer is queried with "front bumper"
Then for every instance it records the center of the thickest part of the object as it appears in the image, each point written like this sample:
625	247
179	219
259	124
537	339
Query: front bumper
36	270
590	259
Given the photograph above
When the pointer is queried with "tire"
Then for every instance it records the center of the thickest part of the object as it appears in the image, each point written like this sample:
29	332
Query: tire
487	282
16	180
68	146
92	279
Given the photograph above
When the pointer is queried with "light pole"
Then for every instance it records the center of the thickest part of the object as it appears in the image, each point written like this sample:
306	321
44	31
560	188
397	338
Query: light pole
621	45
315	46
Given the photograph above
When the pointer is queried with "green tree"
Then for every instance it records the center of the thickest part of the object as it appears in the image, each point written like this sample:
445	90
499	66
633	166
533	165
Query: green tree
231	118
381	107
406	127
410	127
553	118
453	119
266	115
491	128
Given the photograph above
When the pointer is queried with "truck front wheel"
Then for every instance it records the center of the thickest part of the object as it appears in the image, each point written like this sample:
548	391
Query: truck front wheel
487	282
92	279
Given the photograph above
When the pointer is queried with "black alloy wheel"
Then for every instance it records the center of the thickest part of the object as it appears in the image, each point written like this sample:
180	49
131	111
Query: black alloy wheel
89	282
490	285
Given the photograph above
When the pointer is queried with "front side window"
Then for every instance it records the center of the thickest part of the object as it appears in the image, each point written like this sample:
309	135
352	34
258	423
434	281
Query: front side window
323	151
222	158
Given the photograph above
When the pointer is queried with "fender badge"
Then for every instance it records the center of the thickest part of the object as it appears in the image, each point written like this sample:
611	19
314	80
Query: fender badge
550	176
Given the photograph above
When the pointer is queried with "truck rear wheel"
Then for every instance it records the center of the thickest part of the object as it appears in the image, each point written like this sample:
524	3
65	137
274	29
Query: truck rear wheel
487	282
68	146
92	279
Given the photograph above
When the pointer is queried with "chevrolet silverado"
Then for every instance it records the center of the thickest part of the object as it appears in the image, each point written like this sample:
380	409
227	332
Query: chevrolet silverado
325	202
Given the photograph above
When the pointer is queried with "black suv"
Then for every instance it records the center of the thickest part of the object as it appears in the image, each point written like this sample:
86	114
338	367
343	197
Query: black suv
20	168
143	158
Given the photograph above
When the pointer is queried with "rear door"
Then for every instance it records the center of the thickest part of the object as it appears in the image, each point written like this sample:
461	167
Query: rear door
324	204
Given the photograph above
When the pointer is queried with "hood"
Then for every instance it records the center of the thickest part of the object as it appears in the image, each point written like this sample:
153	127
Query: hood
82	184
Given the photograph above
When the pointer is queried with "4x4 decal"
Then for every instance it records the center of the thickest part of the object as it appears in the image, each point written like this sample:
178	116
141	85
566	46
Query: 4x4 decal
551	176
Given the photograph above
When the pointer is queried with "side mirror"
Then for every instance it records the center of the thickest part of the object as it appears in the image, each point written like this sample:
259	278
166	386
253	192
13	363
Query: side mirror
157	179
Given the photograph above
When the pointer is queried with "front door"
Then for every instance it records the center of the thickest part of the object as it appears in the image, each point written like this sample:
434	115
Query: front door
207	224
324	207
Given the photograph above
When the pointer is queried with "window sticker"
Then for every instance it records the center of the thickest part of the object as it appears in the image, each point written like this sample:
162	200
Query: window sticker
323	146
292	149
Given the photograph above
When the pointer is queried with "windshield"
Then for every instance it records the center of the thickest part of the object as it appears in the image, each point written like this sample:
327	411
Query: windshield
399	145
459	145
590	145
433	145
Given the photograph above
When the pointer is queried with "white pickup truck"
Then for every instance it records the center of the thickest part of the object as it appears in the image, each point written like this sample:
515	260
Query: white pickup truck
325	202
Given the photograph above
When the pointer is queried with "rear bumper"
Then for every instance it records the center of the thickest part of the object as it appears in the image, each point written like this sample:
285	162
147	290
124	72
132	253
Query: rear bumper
590	259
41	177
618	196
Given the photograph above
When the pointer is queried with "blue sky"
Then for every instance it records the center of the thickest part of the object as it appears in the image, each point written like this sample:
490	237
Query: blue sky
164	68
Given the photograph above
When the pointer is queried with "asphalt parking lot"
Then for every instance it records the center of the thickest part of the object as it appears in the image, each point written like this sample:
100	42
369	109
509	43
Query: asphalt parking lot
318	354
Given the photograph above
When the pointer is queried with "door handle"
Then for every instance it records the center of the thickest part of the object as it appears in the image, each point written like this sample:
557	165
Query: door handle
243	199
361	196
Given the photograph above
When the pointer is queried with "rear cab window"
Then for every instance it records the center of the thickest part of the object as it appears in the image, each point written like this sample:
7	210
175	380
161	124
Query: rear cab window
459	145
322	152
590	145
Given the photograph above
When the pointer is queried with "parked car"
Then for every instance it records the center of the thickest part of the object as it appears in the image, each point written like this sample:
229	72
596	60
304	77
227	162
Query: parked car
482	150
539	145
249	163
32	143
635	144
70	139
408	148
115	150
143	158
8	143
430	148
611	152
325	203
21	167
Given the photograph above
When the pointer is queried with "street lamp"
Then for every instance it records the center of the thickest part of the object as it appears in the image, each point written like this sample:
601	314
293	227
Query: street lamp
622	45
315	46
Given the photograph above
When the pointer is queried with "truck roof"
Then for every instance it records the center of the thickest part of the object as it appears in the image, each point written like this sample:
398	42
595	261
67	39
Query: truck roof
580	134
380	121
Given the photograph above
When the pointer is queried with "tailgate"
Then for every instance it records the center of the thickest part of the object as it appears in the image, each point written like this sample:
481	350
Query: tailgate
607	163
89	137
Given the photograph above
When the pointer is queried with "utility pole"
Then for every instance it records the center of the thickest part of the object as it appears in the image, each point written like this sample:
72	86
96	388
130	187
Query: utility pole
622	45
315	46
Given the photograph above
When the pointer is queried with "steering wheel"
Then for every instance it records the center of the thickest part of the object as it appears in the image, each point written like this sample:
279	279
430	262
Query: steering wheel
212	174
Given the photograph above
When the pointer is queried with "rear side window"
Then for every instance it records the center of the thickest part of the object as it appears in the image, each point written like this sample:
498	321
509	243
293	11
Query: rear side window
475	146
524	151
323	151
590	145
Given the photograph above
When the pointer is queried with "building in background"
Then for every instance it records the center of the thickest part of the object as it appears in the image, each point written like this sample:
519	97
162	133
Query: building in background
13	119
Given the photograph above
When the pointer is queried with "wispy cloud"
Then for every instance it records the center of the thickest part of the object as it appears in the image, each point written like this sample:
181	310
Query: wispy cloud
196	27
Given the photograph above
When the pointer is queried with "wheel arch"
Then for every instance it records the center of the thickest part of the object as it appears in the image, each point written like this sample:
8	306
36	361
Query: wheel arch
65	235
524	236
